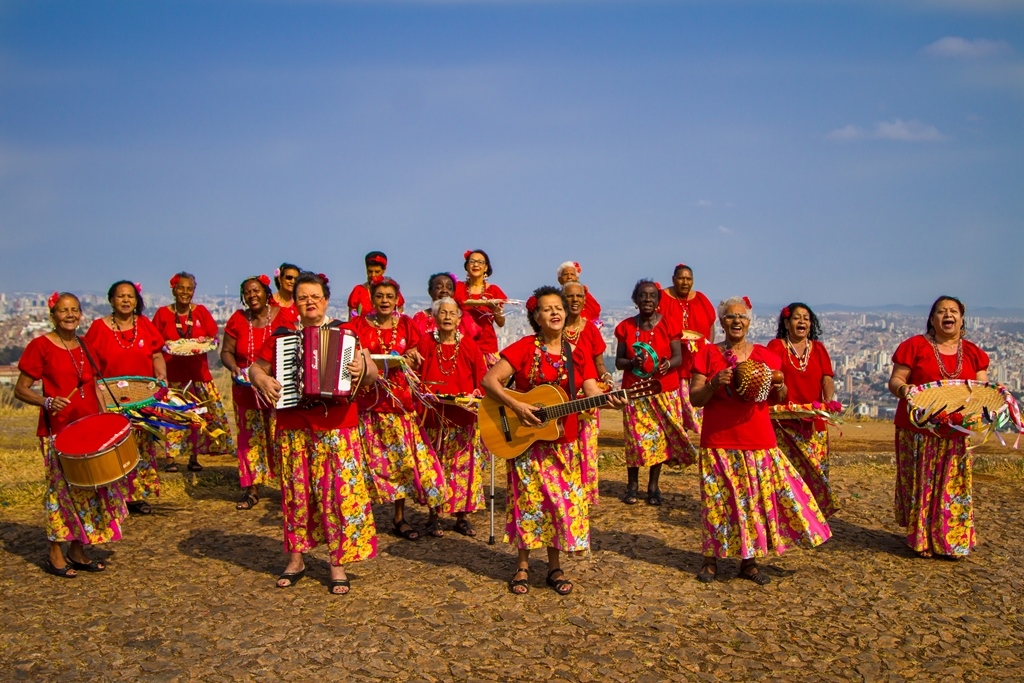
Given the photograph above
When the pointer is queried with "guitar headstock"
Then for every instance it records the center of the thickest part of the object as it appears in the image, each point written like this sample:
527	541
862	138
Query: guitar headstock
644	388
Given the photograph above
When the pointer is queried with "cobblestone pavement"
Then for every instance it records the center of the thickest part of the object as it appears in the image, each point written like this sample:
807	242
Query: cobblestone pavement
189	595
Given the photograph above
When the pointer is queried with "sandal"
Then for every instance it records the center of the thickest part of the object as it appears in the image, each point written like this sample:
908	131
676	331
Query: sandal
90	566
195	467
757	576
463	527
248	502
559	584
631	497
171	467
524	583
292	578
140	507
654	498
434	529
409	533
925	554
339	583
65	572
708	572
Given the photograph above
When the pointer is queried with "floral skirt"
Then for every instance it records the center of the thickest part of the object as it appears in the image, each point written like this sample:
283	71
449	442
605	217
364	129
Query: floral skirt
753	502
934	492
323	494
142	482
491	359
189	443
257	457
547	506
463	457
588	463
73	513
653	432
693	418
400	463
807	449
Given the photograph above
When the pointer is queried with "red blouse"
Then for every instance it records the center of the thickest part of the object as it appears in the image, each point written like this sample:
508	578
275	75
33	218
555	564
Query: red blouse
126	353
286	314
918	354
730	422
360	302
803	386
425	323
627	333
591	309
171	326
481	315
319	416
396	396
697	314
589	342
444	374
63	373
522	354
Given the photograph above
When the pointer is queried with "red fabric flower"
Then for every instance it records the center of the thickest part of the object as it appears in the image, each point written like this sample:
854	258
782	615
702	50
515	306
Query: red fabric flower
578	269
277	272
786	312
52	301
531	304
138	288
376	279
465	254
681	265
175	279
747	302
324	278
264	280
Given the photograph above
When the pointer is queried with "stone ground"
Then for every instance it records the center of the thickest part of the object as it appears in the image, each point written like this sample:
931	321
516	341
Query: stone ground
189	594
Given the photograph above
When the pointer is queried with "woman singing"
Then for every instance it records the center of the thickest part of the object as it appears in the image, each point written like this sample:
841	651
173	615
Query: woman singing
934	499
81	516
126	343
245	334
360	301
440	286
808	370
323	488
401	462
652	427
452	364
482	301
752	499
547	507
186	320
570	272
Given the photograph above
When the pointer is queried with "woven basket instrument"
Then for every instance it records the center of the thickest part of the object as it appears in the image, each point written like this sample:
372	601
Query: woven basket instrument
965	406
190	347
804	411
131	392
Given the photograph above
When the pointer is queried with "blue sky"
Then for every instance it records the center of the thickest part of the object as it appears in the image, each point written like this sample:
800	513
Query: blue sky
836	152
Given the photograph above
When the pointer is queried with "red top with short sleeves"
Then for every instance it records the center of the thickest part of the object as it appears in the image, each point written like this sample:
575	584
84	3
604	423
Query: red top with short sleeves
730	422
697	314
918	354
126	353
390	394
172	326
360	302
589	342
451	369
591	309
59	369
803	386
483	316
628	333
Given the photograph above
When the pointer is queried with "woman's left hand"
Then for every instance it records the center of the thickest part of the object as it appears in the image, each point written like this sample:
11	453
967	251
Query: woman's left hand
617	401
414	357
664	366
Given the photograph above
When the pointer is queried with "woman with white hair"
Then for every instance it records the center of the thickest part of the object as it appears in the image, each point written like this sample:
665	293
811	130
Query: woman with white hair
570	272
453	365
752	499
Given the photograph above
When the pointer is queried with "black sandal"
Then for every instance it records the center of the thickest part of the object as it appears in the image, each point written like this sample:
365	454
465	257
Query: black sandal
631	497
409	534
248	502
464	527
65	572
292	578
708	572
339	583
90	566
171	467
195	467
757	576
654	498
140	508
434	529
520	583
559	584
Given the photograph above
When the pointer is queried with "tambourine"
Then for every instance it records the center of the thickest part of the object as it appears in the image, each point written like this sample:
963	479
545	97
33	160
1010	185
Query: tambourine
643	347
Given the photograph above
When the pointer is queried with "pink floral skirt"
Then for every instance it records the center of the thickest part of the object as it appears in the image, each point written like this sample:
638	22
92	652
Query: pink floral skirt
653	432
143	482
807	449
73	513
693	418
589	456
257	457
189	443
400	462
462	457
547	506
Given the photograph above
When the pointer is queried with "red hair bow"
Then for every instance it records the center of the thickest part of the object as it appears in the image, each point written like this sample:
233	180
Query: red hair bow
138	288
264	280
747	302
175	279
465	254
578	269
52	301
531	304
324	278
786	312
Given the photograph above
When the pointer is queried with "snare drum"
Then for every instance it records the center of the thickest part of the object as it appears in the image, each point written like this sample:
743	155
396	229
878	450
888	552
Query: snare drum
96	450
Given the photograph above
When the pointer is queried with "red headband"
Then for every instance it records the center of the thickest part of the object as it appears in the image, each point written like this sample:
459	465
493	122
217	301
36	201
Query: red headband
531	304
381	261
52	301
747	302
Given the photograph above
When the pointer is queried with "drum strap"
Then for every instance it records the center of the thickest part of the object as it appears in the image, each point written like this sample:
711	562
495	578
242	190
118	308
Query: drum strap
96	371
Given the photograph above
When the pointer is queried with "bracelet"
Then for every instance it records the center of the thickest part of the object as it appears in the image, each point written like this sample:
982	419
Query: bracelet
48	404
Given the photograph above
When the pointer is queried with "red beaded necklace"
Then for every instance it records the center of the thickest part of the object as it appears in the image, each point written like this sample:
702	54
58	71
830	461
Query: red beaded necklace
536	376
801	361
119	334
79	368
942	365
453	360
184	330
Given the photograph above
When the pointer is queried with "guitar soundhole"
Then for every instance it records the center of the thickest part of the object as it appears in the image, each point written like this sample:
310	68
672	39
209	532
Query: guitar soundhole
541	414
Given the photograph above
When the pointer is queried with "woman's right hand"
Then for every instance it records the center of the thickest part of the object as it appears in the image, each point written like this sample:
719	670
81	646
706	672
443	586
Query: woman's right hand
722	378
58	403
268	386
526	414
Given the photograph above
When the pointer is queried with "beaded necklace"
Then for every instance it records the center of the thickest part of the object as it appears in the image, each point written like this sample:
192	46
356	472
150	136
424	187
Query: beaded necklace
78	368
942	364
252	325
185	332
385	347
441	360
119	333
573	337
801	361
536	377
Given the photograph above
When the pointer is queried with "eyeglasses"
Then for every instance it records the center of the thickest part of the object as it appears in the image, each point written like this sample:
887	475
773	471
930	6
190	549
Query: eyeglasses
735	316
313	298
476	262
288	277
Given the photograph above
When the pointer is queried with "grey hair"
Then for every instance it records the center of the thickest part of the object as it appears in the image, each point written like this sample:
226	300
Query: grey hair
435	306
576	283
732	301
567	264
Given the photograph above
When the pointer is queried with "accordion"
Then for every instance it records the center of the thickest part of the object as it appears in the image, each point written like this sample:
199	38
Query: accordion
312	364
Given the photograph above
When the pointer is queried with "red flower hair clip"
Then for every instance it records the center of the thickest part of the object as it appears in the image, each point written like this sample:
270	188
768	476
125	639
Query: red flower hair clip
175	279
324	278
786	312
138	288
681	265
264	280
52	301
531	304
578	269
747	302
376	279
465	254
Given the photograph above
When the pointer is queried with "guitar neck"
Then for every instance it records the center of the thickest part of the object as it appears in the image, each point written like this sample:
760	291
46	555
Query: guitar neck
579	405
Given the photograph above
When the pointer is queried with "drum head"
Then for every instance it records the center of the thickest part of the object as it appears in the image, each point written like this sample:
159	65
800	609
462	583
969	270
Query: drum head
92	434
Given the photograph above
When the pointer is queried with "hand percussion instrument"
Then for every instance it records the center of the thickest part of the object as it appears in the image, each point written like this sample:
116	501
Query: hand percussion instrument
130	392
830	412
690	335
190	347
963	405
96	450
641	349
752	380
242	378
386	362
312	364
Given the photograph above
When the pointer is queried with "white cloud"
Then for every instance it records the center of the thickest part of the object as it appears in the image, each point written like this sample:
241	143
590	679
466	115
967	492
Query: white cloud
724	230
957	47
704	203
897	129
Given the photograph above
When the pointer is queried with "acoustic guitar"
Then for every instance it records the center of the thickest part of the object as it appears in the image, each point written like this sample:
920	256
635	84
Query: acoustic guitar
506	437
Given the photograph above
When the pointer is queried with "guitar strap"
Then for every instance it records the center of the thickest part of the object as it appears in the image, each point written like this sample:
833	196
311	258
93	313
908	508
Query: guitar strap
570	369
